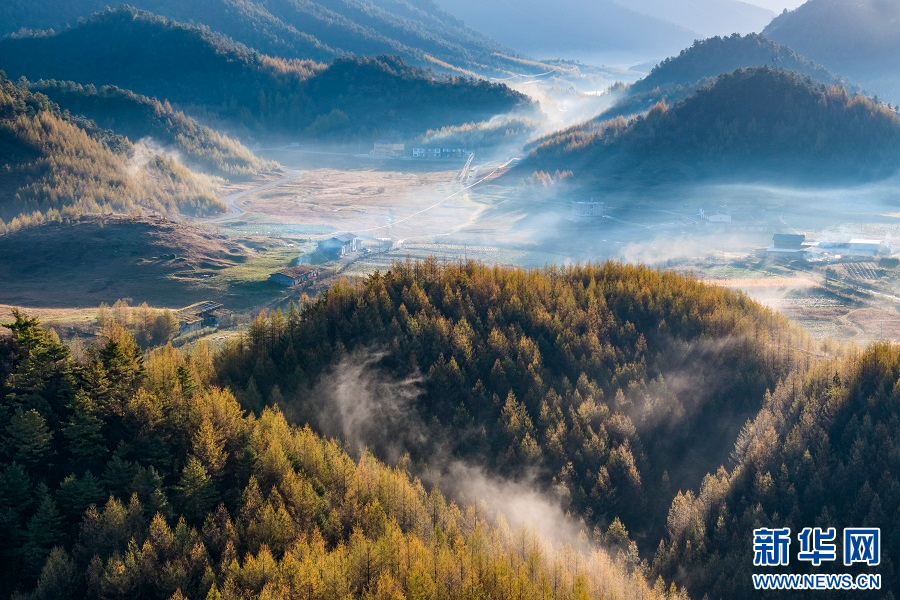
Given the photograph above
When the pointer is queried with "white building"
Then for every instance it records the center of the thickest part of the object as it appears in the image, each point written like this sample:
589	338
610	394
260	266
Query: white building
716	216
864	247
586	212
388	148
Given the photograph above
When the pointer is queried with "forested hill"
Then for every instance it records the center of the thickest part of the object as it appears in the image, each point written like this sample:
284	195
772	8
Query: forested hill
56	165
678	77
859	39
823	452
130	476
205	73
758	123
141	118
615	386
300	29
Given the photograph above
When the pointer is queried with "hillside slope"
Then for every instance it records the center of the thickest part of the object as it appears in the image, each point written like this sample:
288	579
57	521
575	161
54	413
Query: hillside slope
300	29
859	39
130	476
141	118
758	123
94	259
207	74
57	165
607	387
822	452
678	77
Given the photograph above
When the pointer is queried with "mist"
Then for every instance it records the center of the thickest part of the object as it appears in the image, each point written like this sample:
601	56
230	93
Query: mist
359	402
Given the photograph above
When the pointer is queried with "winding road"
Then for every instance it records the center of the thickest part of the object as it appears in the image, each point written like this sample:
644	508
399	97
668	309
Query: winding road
231	199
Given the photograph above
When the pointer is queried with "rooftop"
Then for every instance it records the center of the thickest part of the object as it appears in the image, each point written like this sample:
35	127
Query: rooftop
297	271
201	307
343	237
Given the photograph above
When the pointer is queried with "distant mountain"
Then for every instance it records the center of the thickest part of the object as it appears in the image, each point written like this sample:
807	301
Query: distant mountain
141	118
707	17
206	74
611	29
760	122
860	39
420	32
680	76
573	28
56	165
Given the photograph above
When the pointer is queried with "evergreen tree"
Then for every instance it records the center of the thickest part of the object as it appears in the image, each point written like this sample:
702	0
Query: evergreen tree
28	439
59	579
84	432
43	532
196	490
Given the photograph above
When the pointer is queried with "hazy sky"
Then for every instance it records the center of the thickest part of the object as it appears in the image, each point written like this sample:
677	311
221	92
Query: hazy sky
776	5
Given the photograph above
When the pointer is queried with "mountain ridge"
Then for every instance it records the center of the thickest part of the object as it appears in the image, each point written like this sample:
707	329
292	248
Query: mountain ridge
679	76
299	29
858	39
208	75
733	129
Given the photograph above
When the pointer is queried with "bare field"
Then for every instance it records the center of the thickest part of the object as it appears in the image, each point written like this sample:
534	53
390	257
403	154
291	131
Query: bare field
778	283
360	201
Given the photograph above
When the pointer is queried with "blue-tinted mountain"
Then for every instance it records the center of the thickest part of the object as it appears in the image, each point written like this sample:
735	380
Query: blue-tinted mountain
207	74
679	76
420	32
758	123
860	39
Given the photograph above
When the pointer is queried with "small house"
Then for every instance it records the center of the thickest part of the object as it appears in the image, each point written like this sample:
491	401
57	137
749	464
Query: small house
586	212
788	241
389	148
295	276
715	216
198	316
339	246
788	245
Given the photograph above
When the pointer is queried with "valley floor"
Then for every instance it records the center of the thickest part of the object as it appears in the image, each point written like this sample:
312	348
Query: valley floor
405	209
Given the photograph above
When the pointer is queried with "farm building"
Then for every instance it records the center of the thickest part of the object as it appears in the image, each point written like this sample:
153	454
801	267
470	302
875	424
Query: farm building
389	148
715	216
295	276
339	246
787	244
197	316
586	212
863	247
788	241
439	152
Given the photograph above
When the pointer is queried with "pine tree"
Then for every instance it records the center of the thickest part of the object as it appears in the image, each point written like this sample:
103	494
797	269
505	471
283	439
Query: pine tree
59	579
196	491
43	532
75	494
44	377
84	432
119	474
209	448
28	439
186	382
149	487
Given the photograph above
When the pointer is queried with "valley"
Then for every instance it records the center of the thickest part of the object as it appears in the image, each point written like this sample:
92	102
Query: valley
395	300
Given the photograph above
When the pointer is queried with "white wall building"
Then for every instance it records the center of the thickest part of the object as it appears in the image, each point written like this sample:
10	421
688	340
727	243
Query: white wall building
586	212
